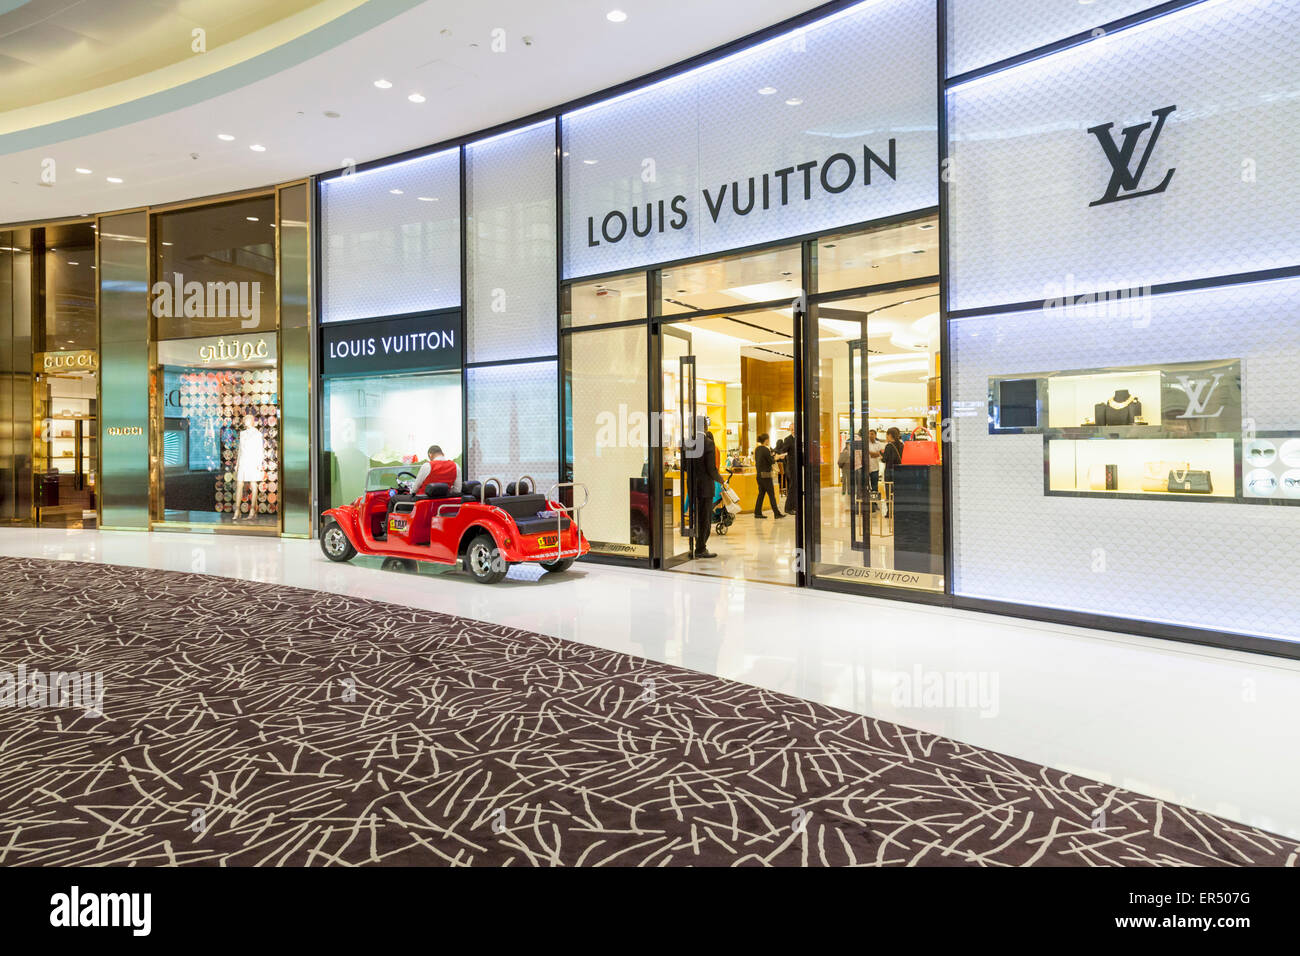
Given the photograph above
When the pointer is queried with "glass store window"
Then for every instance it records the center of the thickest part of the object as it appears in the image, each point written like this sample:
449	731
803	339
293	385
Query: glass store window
731	281
391	388
607	436
215	386
218	441
217	267
876	443
385	421
602	301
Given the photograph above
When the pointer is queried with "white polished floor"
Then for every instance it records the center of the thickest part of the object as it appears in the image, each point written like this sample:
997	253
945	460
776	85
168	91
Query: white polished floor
1215	730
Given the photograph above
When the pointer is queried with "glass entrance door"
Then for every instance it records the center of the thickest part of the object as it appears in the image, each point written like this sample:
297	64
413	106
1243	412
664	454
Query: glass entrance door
729	385
677	424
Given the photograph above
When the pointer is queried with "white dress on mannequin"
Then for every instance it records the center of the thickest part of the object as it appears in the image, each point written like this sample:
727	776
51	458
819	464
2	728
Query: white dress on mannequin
249	463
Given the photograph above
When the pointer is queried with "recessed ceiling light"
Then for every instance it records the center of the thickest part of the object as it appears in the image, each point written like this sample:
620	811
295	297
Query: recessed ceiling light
591	162
330	114
395	192
112	179
926	225
168	243
225	137
766	90
84	171
416	98
829	245
427	198
793	101
71	263
918	252
616	16
252	219
258	148
383	84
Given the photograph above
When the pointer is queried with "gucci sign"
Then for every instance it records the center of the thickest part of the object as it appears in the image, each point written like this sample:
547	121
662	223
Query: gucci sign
85	360
118	431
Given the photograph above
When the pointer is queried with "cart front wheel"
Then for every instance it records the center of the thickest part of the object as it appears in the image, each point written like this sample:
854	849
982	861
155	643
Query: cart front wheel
557	567
335	544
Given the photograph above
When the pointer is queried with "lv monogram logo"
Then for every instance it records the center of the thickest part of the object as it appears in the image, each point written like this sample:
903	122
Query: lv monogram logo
1199	391
1124	181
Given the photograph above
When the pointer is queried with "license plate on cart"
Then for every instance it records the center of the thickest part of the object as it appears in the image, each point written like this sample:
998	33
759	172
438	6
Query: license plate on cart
548	540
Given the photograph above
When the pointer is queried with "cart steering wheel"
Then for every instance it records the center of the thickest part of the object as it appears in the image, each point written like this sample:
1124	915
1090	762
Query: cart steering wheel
406	474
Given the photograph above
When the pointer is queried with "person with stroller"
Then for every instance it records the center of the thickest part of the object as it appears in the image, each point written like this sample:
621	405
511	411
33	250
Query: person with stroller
764	465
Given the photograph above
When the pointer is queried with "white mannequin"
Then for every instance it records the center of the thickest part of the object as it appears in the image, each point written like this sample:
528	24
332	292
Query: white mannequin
248	466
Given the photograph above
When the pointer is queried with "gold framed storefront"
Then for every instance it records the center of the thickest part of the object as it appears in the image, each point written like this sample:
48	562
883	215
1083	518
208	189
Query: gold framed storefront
222	349
122	458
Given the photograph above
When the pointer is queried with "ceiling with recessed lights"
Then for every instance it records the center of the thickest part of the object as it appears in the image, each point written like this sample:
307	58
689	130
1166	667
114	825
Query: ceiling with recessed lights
284	90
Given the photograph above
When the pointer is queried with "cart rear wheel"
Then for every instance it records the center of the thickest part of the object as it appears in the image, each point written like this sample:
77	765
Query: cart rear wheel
335	544
483	560
557	567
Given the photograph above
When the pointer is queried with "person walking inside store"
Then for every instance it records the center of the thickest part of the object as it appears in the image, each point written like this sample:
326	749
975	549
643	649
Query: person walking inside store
764	465
702	467
874	449
891	456
249	465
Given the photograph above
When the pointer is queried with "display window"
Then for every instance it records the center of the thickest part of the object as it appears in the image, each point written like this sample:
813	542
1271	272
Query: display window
391	389
607	436
217	433
385	421
1164	430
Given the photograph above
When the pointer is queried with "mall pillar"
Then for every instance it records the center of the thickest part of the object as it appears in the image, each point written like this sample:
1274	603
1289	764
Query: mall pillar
124	371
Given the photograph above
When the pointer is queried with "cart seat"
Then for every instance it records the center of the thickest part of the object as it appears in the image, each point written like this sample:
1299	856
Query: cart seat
524	509
541	525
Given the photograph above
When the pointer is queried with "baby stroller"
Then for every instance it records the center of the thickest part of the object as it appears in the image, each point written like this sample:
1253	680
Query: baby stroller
726	507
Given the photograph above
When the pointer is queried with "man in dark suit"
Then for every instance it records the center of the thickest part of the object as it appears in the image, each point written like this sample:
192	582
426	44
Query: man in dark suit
788	453
702	471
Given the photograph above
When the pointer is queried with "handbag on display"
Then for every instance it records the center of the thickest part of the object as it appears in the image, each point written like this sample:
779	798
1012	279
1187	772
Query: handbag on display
919	452
1103	477
1155	474
1190	482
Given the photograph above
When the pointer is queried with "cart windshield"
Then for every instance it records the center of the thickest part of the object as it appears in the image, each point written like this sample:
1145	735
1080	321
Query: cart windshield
381	479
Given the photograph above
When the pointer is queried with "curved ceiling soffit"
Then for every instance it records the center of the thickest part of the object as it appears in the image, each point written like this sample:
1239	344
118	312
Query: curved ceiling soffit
298	50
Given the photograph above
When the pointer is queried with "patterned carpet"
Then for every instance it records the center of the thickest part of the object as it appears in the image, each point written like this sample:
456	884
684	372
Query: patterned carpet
248	724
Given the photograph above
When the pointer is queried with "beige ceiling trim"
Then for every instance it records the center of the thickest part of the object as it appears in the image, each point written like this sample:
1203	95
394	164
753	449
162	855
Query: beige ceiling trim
195	67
